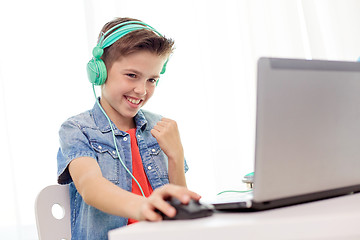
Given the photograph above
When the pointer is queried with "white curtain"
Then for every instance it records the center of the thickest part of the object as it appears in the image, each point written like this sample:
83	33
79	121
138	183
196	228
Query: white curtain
209	87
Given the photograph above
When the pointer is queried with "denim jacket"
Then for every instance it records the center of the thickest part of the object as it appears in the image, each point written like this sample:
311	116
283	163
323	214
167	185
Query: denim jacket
89	135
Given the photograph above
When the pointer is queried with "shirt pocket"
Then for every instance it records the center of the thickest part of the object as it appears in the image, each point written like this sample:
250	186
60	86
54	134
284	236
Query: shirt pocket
160	160
108	161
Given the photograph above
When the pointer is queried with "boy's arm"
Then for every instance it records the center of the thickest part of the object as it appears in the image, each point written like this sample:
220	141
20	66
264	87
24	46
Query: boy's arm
99	192
167	134
107	197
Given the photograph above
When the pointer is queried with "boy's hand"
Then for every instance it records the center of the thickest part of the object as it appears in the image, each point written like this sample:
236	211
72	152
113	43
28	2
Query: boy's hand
167	134
157	201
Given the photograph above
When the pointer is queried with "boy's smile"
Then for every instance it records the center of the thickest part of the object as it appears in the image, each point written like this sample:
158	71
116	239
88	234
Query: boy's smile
134	101
130	84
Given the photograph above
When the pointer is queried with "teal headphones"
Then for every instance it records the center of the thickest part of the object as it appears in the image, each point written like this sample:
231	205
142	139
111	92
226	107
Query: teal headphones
97	73
96	68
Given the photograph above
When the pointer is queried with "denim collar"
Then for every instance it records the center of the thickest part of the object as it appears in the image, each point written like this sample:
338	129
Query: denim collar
103	124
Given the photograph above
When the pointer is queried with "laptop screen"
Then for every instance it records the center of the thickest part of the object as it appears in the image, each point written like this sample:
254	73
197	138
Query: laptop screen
308	127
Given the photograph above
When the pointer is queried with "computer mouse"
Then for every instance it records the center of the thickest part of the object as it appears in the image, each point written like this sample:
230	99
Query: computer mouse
194	209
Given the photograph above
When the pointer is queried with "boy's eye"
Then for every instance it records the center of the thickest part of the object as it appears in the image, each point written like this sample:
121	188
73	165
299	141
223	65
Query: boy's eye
131	75
152	80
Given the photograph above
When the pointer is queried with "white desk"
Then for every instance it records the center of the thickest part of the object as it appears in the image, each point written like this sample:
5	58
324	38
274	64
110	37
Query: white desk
330	219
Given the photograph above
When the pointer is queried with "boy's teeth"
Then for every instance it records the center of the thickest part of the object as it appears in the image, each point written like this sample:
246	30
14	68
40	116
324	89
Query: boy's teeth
134	101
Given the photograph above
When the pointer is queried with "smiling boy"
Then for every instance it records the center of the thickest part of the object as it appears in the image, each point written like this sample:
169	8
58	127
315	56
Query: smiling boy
103	193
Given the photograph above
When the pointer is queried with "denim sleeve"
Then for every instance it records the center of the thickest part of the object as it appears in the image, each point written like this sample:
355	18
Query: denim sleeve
73	144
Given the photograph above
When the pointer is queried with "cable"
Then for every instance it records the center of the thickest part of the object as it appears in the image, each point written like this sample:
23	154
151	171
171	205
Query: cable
234	191
113	134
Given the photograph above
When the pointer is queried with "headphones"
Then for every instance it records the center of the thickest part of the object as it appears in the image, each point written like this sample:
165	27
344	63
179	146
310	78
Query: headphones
97	72
96	68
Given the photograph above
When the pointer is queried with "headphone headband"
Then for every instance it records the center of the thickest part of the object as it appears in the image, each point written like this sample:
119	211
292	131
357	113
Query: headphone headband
121	30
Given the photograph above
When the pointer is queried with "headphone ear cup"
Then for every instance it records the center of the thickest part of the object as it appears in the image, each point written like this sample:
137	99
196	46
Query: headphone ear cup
163	70
96	71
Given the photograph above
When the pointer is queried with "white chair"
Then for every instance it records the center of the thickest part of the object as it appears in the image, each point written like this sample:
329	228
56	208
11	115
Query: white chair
50	224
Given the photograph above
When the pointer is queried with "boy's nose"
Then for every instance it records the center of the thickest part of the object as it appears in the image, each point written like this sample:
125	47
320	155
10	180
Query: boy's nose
140	89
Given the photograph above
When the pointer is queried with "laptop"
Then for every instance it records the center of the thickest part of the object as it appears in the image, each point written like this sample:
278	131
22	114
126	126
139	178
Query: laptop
307	133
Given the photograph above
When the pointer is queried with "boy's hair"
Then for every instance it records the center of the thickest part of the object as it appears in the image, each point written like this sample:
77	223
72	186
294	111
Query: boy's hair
134	41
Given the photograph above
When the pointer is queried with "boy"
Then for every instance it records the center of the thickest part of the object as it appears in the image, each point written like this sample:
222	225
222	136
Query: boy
99	159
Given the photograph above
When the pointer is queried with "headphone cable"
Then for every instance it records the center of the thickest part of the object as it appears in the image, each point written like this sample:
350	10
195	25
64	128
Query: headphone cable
114	139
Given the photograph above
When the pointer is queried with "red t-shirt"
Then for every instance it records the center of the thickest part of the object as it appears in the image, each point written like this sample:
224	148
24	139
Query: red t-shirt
138	171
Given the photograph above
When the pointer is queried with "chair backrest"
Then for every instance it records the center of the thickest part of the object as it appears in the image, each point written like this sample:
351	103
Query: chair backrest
51	224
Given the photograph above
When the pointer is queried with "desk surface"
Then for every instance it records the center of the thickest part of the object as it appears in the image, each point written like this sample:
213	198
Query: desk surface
330	219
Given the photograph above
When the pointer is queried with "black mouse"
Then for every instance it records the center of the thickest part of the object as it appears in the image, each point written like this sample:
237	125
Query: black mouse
194	209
